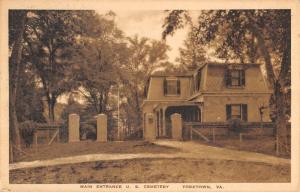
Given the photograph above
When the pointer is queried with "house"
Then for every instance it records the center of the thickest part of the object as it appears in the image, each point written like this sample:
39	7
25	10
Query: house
212	92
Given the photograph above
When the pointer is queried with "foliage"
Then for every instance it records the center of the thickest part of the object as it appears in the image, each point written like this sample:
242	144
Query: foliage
145	56
29	103
89	131
16	28
96	64
235	125
50	37
27	129
61	54
193	53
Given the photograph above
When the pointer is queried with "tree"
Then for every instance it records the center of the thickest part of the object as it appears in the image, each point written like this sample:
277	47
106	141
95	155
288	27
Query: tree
193	53
29	98
250	35
50	37
17	21
97	61
145	56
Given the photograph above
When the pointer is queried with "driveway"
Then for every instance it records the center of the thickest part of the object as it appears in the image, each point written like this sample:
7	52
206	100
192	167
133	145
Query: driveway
188	149
201	151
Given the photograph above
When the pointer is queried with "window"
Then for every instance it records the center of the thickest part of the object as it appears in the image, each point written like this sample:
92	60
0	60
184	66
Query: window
235	78
237	111
172	87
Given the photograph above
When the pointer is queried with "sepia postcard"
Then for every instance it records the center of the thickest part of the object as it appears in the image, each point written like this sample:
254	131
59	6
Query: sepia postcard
149	95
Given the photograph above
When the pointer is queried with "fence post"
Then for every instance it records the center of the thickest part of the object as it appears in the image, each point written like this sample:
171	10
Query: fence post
191	132
277	145
214	137
11	153
36	138
58	136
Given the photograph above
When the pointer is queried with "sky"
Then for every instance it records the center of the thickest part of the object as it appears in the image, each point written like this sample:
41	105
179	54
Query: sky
148	23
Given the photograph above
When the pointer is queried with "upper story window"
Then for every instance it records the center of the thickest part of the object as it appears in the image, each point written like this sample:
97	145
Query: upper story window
235	78
171	87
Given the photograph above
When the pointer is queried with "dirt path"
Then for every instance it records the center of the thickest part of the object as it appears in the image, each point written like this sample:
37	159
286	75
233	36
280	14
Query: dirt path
208	152
90	158
189	150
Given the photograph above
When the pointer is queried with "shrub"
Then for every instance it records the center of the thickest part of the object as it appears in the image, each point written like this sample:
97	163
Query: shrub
27	129
89	130
234	125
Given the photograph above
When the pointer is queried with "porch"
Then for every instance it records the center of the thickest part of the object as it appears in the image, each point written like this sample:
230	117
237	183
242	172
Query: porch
190	112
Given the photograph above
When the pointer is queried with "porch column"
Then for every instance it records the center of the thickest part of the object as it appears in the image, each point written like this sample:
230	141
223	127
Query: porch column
164	121
201	113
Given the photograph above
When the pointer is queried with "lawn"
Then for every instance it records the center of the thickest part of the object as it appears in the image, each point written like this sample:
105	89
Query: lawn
57	150
153	171
258	144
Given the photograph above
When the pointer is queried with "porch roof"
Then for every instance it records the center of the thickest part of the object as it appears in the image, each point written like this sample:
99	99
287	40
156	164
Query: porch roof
176	103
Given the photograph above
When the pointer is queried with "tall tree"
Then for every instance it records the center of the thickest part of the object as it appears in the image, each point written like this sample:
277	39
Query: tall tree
145	56
97	61
50	37
17	21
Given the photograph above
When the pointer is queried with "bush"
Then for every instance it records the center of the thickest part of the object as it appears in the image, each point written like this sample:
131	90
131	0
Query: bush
64	132
27	129
89	130
234	125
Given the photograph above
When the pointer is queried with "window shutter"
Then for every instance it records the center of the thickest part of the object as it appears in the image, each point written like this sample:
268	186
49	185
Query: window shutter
227	77
243	78
146	88
228	112
178	86
244	112
198	79
165	87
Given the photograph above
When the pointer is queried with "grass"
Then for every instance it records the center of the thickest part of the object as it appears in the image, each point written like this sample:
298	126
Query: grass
258	144
153	171
57	150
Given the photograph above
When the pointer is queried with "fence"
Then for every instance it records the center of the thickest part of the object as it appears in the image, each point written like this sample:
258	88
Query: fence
205	130
47	132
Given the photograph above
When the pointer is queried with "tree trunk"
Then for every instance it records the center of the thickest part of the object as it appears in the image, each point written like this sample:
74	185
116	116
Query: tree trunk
51	106
281	124
266	55
15	62
138	110
52	110
281	101
278	87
